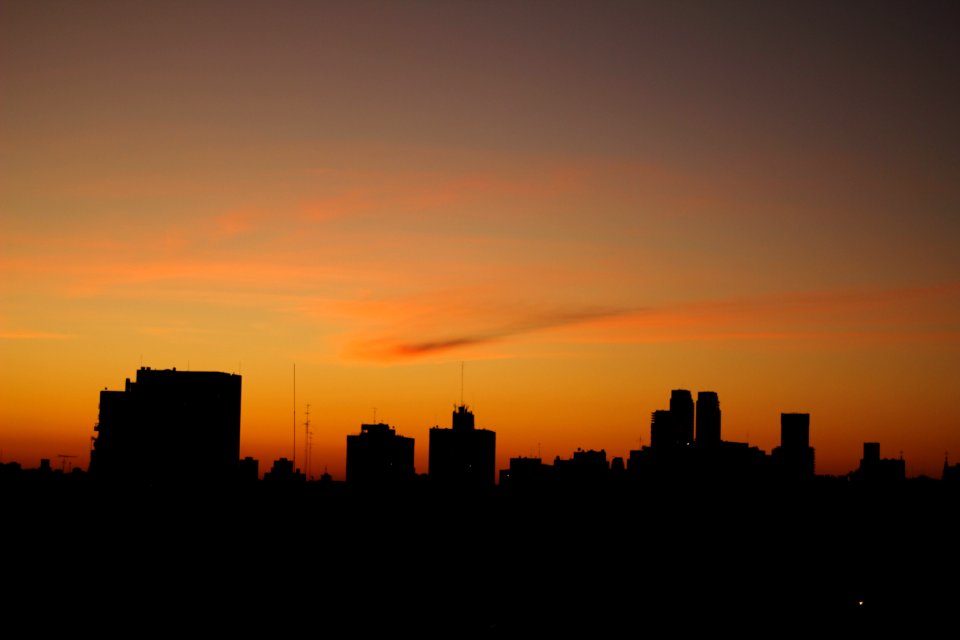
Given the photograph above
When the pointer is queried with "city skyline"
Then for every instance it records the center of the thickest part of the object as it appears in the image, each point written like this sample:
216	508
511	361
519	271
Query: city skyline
185	426
549	211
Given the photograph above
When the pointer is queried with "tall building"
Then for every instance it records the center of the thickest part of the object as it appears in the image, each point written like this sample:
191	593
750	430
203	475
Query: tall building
795	430
663	431
708	419
795	458
377	456
462	455
681	409
169	426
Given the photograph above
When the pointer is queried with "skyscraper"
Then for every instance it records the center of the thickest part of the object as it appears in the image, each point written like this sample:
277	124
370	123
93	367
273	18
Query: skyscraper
681	410
663	431
794	430
708	419
795	457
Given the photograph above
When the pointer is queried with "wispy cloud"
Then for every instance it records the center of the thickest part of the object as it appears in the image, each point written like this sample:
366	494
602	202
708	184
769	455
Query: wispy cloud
927	312
408	346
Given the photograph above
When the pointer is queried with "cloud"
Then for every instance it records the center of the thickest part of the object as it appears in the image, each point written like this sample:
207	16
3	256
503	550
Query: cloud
407	347
921	312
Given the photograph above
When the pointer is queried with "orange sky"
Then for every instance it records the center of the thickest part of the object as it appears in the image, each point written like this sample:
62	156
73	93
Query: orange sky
585	205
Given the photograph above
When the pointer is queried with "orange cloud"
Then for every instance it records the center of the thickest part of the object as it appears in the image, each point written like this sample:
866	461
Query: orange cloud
434	336
402	329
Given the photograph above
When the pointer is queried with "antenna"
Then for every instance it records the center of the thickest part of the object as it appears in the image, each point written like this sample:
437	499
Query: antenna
306	444
294	461
461	383
63	460
374	415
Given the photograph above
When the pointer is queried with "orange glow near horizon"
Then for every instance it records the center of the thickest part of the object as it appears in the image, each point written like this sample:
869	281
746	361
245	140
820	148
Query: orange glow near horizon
586	214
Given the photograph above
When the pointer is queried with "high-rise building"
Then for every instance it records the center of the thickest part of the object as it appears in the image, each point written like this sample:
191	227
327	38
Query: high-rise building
170	426
663	431
377	456
795	458
794	430
462	455
708	419
681	410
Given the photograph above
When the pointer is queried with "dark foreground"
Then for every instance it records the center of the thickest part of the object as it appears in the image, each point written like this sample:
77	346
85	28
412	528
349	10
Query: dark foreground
314	560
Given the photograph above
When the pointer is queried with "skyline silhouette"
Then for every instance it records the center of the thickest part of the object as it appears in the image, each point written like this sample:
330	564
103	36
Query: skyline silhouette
576	552
691	530
186	426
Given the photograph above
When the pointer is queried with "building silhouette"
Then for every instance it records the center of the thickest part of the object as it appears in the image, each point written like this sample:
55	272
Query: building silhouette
377	456
663	430
794	458
248	470
525	473
874	469
682	412
674	460
282	471
585	469
708	419
951	472
463	455
169	426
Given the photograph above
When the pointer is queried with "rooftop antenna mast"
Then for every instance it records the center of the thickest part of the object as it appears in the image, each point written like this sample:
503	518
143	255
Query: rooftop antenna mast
294	461
306	444
461	383
63	460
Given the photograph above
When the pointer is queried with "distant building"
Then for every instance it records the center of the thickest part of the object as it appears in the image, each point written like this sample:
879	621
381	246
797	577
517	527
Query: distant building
377	456
463	455
673	427
875	469
585	469
663	430
681	410
525	473
282	471
951	472
169	426
708	419
673	460
249	469
794	458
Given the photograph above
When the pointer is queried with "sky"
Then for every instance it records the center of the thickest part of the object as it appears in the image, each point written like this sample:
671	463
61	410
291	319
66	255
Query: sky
553	212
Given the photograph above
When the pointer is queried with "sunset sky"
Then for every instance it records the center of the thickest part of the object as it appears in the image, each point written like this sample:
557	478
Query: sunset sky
554	211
